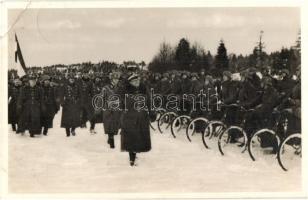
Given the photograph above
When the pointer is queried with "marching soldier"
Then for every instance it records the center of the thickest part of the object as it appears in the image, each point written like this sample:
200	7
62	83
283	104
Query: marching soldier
29	105
71	107
49	104
87	110
13	94
135	130
98	114
111	115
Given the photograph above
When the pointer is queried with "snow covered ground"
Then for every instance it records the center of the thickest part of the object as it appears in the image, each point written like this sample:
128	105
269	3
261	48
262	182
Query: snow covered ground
85	163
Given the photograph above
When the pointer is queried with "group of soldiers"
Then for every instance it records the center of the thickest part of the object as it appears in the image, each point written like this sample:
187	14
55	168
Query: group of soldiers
35	99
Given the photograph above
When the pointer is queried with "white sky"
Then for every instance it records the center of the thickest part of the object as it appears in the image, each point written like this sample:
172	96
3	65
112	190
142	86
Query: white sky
65	36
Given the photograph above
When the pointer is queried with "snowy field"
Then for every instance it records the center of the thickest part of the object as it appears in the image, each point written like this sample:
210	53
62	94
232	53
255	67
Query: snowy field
85	163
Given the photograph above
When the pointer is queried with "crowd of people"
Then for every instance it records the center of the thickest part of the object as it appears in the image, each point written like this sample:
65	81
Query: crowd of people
36	98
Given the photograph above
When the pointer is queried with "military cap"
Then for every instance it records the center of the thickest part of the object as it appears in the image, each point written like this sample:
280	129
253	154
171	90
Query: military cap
227	74
133	77
115	75
46	77
194	75
166	75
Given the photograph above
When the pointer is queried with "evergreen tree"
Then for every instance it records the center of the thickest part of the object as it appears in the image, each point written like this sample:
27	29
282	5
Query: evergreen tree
221	59
182	54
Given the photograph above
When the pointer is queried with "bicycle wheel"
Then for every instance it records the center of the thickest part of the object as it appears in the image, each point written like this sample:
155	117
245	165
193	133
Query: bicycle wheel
264	142
164	122
191	128
159	113
212	130
233	139
179	123
290	152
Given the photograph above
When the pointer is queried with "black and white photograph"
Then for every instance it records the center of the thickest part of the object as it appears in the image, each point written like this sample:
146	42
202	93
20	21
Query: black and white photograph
161	99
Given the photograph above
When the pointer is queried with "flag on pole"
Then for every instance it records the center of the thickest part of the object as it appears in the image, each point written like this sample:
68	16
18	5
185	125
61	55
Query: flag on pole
19	60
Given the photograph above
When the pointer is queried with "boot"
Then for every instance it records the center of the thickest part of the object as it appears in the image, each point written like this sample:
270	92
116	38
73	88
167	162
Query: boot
67	132
45	131
111	143
14	127
132	158
83	125
73	131
110	140
92	131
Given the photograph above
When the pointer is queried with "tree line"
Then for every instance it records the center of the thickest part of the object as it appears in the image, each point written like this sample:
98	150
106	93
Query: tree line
193	57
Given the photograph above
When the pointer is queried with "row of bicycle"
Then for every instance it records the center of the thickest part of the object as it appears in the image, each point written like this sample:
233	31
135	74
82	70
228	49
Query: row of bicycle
274	142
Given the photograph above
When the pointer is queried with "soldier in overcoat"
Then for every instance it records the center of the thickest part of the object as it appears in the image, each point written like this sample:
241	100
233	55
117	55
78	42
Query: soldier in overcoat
87	110
29	105
98	111
13	94
49	104
71	107
112	112
135	121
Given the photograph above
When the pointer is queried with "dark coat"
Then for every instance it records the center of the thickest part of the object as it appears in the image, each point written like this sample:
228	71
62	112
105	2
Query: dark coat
135	129
98	113
13	94
111	117
229	92
185	86
86	94
156	85
286	86
269	100
196	87
29	105
296	97
176	86
71	107
49	106
59	90
249	94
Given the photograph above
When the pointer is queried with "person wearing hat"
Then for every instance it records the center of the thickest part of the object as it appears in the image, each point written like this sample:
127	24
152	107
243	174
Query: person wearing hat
185	89
13	93
175	83
229	94
111	112
286	84
71	107
49	104
196	84
135	129
261	116
202	75
249	91
87	110
156	83
29	106
229	89
98	114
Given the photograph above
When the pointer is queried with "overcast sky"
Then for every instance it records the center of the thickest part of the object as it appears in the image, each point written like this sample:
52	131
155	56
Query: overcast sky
66	36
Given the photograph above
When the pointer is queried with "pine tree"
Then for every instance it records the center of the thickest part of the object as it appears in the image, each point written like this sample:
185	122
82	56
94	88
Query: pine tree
182	54
221	59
